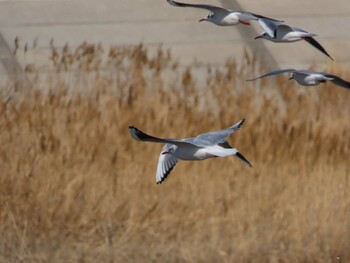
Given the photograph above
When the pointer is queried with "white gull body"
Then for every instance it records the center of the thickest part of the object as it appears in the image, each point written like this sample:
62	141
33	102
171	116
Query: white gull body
204	146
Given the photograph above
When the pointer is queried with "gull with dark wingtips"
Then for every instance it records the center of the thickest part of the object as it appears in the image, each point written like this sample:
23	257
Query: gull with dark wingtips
204	146
308	77
277	32
222	16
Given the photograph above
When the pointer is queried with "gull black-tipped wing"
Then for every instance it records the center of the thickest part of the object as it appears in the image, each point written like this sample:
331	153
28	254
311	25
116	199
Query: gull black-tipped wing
338	81
211	8
243	159
216	137
313	42
166	164
277	72
141	136
263	17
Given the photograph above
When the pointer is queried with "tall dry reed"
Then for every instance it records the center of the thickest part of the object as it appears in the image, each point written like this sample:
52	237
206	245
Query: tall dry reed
75	187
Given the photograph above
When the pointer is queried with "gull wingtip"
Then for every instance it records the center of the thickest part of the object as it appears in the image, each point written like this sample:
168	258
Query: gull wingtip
249	164
239	124
243	159
134	132
171	2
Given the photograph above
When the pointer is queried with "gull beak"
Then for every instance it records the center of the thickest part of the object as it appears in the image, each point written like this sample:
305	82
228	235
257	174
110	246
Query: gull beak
201	20
258	37
166	152
290	78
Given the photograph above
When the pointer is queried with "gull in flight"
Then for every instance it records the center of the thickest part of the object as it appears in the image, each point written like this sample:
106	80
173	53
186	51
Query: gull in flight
277	32
308	77
204	146
223	17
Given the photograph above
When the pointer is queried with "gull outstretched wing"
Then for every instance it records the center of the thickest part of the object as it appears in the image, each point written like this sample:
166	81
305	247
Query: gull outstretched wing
211	8
272	73
338	81
166	164
141	136
317	45
269	25
216	137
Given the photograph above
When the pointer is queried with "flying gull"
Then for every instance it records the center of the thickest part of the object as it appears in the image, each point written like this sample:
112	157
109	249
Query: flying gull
204	146
308	77
277	32
222	16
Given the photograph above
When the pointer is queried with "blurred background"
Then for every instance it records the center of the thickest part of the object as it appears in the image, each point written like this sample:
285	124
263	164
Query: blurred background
154	22
74	185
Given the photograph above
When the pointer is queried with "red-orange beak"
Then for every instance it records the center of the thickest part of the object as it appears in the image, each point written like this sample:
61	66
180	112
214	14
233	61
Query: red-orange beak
201	20
166	152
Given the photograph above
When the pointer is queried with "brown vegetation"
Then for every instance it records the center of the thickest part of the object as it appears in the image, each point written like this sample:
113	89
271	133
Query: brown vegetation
75	187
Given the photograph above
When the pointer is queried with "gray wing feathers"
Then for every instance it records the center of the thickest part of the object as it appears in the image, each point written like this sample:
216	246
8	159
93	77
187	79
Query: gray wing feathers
166	164
262	17
300	30
277	72
211	8
216	137
282	30
270	26
307	72
245	16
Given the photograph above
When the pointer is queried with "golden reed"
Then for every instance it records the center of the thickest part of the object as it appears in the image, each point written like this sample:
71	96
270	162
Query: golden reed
75	187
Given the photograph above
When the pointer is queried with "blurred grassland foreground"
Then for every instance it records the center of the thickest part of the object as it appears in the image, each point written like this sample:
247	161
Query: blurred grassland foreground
76	187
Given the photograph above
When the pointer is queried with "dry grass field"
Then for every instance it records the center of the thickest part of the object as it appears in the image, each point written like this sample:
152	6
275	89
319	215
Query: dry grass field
75	187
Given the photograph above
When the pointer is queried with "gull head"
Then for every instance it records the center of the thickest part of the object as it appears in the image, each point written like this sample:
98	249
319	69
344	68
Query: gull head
209	17
169	149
